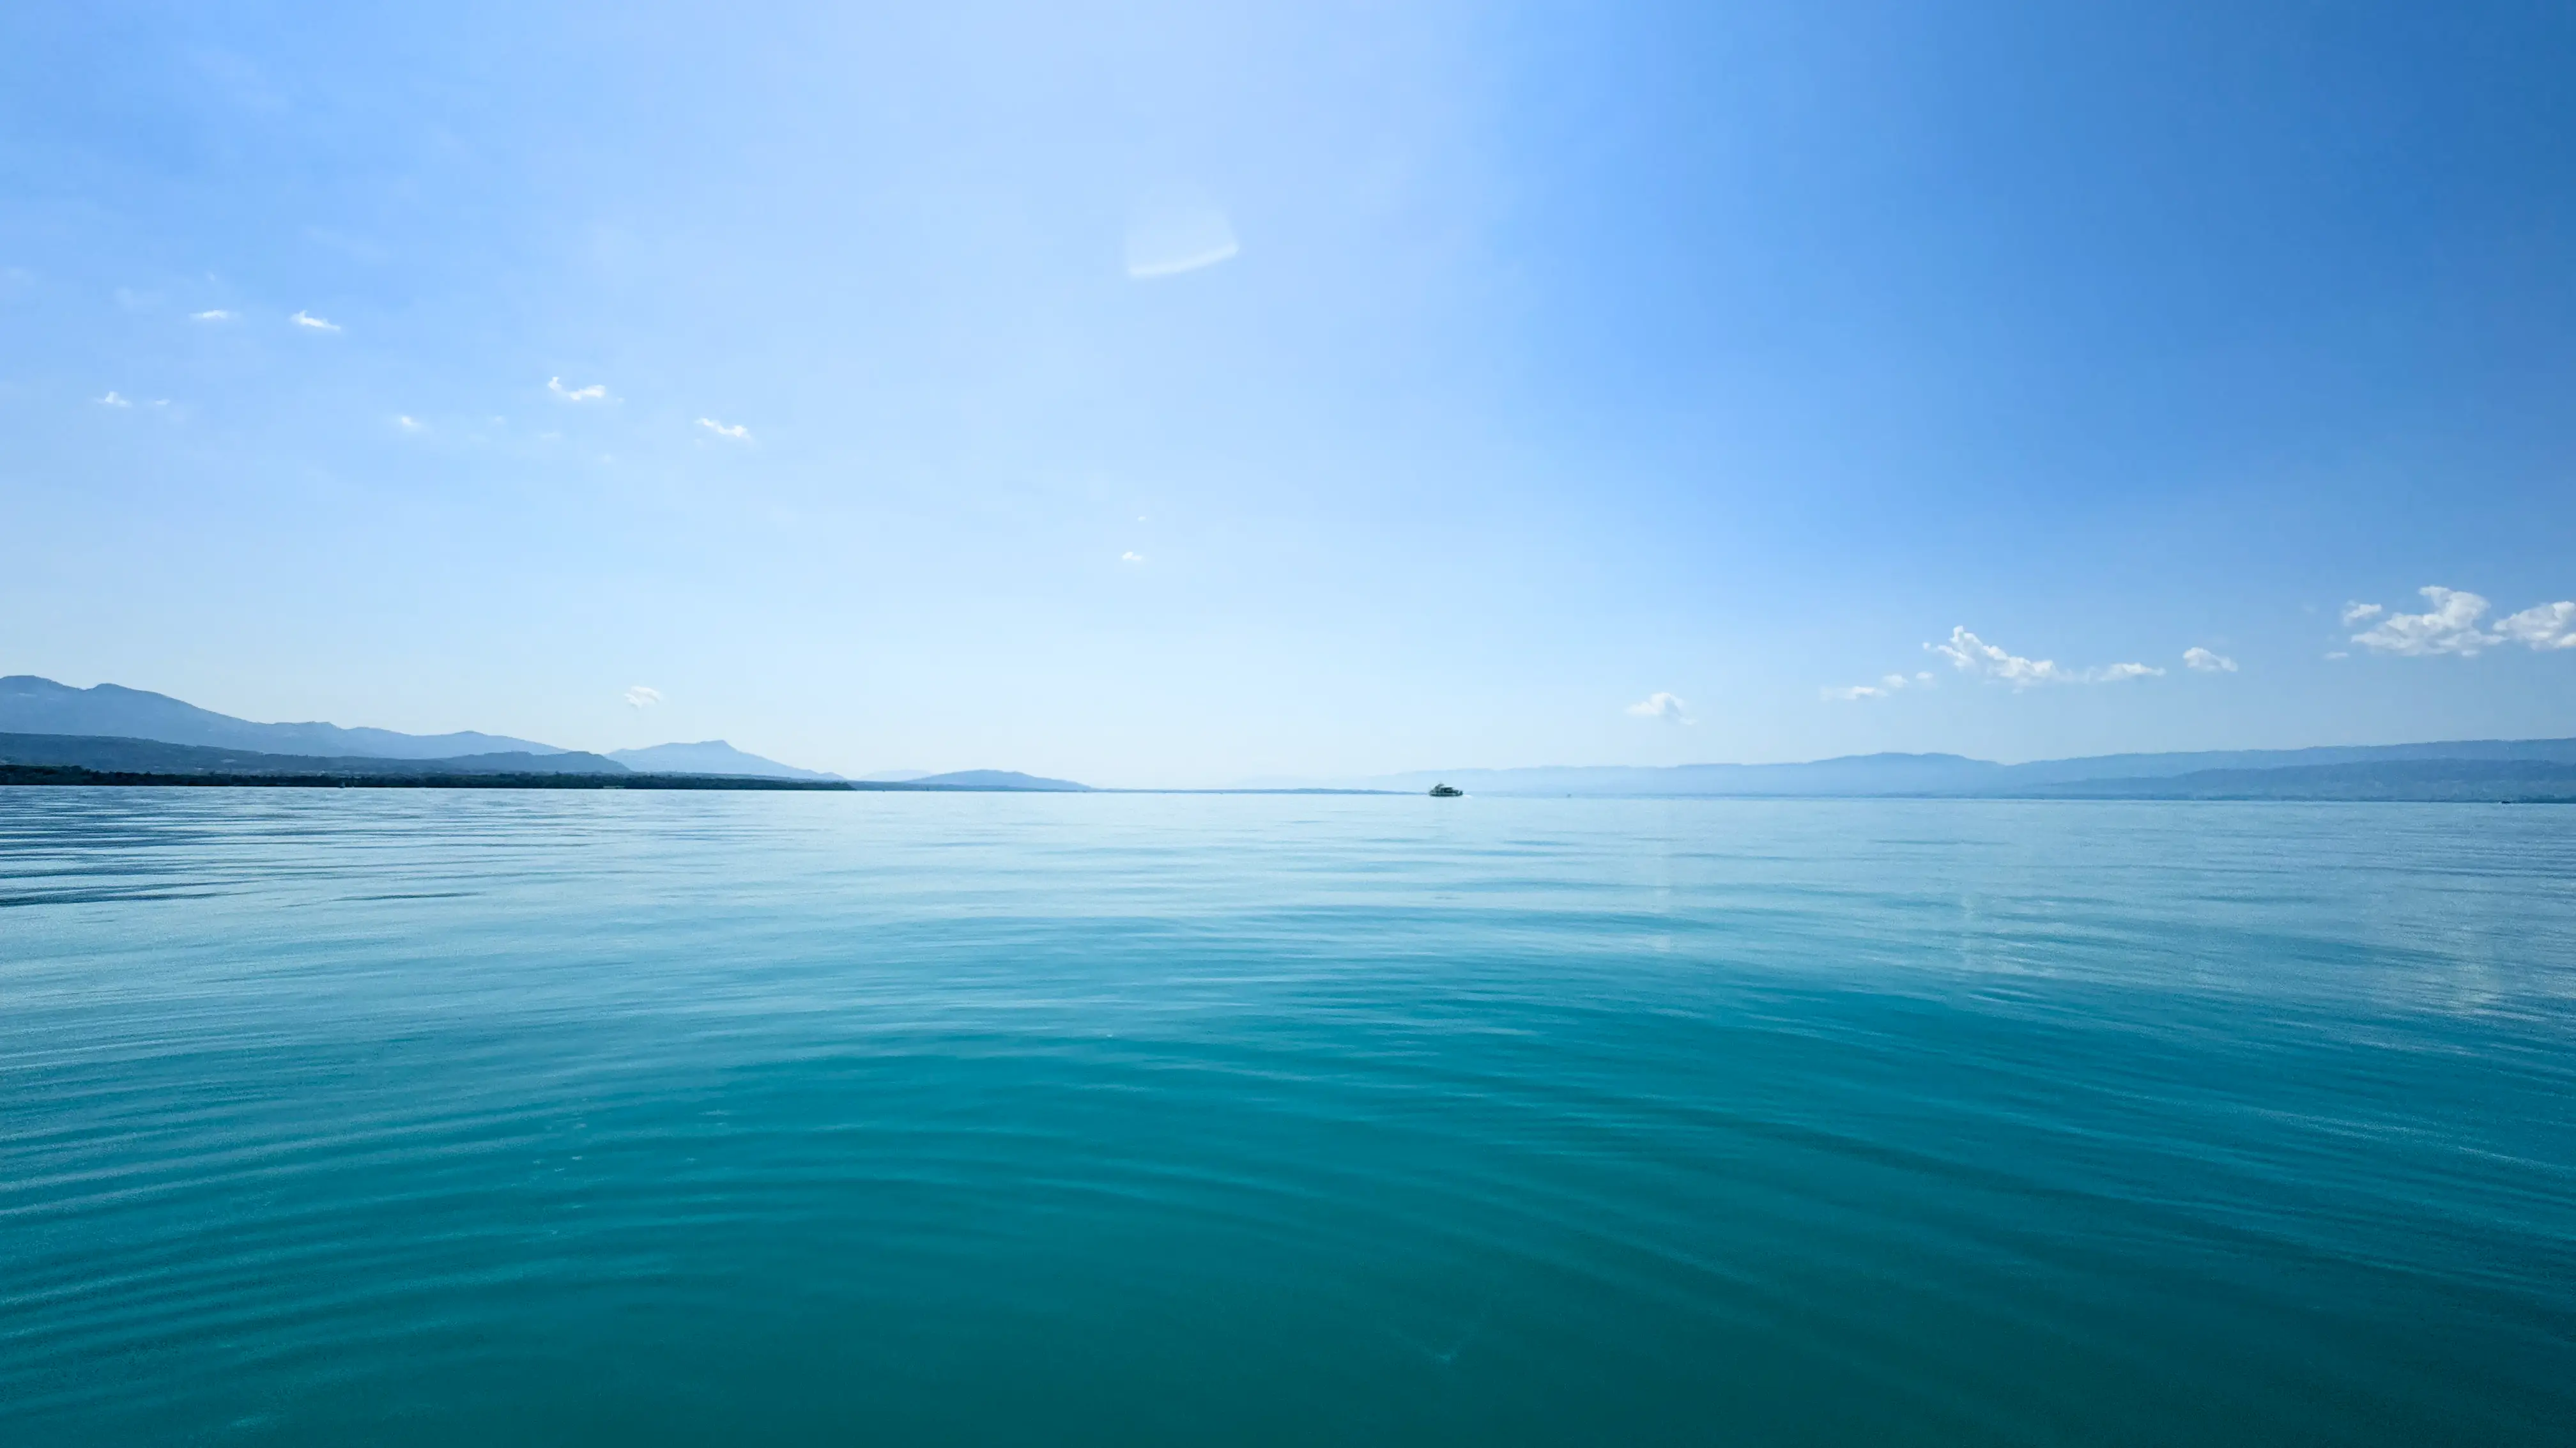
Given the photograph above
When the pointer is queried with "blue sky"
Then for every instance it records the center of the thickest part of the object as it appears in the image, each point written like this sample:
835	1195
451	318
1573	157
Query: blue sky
1174	395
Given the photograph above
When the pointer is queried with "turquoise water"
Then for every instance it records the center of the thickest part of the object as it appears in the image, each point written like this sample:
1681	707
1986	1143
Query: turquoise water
433	1117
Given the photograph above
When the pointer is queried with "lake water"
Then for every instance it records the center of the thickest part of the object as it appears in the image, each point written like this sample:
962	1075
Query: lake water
401	1116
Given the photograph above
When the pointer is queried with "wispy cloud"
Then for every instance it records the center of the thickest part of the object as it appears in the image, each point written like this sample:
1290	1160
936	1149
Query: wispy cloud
407	423
1664	706
2202	661
2548	626
216	314
1175	237
642	696
307	319
1131	557
1973	656
2450	626
2354	613
1887	684
736	433
113	400
595	392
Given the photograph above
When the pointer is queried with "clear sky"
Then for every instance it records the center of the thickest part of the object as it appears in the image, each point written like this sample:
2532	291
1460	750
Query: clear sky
1181	394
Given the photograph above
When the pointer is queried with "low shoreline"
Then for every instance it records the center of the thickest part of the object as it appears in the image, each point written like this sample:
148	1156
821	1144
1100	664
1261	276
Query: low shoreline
61	774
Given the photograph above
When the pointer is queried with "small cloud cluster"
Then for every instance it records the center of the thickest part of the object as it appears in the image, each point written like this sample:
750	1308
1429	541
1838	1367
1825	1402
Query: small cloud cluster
307	319
112	399
595	392
1131	557
1996	664
217	314
1665	706
1975	657
1888	684
2455	624
642	696
735	433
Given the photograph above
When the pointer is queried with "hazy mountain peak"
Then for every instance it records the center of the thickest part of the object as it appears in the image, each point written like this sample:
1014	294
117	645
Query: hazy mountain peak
709	756
1000	779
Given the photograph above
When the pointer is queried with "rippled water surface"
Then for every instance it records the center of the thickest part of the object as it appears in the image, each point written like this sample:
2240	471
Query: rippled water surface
456	1117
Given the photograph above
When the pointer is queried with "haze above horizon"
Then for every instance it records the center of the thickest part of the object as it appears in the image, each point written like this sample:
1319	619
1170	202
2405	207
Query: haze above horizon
1168	396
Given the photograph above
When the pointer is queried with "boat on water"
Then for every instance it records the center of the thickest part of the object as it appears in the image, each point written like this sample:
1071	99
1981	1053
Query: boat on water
1442	791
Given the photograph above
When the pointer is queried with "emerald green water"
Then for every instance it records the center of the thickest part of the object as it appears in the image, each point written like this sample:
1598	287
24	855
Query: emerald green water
433	1117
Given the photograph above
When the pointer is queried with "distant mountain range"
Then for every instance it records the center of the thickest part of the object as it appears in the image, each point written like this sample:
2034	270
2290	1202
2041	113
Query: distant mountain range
112	729
2457	769
30	705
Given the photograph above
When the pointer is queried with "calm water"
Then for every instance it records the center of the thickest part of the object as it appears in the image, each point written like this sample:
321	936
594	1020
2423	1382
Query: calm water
438	1117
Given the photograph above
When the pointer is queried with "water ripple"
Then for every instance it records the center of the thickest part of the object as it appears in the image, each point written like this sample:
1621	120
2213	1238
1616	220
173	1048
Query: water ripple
395	1117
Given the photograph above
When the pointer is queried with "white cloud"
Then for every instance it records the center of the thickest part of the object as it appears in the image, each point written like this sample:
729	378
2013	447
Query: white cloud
1974	656
112	400
643	696
307	319
407	423
2450	626
736	433
595	392
216	315
2354	613
2201	660
2547	626
1175	237
1887	684
1664	706
1131	557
